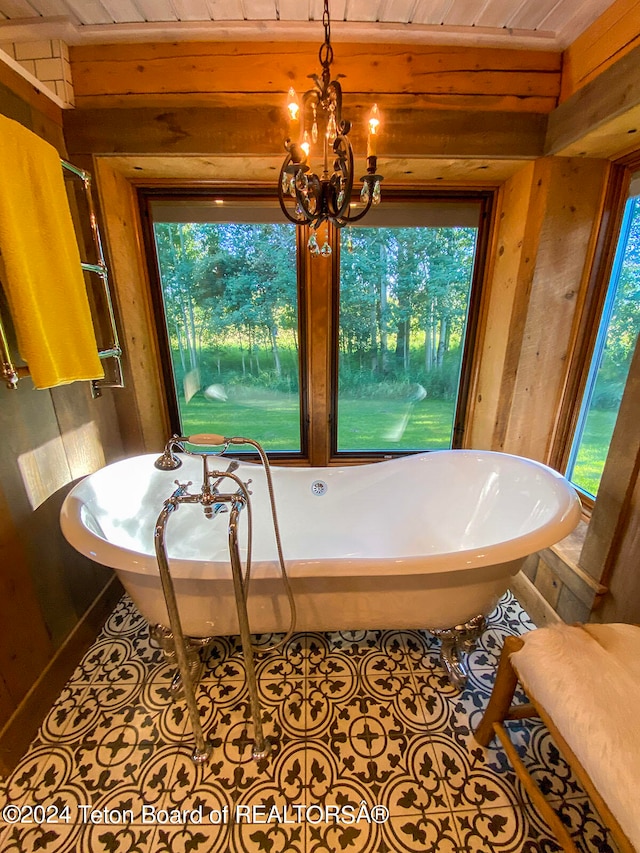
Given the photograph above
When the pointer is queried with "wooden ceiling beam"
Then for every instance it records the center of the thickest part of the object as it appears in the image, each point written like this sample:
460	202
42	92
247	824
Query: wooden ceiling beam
259	129
603	117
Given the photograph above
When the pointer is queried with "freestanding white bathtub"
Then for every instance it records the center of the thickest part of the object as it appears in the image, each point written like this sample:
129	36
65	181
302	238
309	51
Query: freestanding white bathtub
425	541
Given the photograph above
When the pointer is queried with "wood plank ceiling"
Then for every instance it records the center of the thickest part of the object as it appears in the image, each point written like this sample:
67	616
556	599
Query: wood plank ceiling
547	24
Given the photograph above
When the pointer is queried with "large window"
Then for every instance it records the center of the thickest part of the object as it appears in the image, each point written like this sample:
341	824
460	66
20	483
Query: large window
615	343
404	302
229	291
381	371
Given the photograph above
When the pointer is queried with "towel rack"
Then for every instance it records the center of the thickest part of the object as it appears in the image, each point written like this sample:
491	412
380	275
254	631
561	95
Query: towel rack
12	373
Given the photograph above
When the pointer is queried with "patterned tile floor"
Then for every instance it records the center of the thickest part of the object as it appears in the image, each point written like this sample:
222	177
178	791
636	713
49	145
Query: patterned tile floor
355	719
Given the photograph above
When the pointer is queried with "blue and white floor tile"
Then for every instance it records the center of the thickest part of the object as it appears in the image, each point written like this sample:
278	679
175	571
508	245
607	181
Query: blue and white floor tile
355	719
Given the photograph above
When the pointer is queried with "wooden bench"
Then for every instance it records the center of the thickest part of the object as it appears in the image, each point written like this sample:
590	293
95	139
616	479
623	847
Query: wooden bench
584	683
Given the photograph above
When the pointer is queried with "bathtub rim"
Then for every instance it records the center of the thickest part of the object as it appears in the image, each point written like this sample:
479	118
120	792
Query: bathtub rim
107	553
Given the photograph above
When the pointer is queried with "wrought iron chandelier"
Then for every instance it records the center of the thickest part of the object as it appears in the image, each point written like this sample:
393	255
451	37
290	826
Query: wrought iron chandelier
317	127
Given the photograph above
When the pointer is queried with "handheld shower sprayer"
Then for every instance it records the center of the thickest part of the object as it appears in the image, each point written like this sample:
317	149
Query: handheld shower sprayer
211	439
169	461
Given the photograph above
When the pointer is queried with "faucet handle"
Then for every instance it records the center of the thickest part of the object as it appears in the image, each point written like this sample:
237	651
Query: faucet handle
182	487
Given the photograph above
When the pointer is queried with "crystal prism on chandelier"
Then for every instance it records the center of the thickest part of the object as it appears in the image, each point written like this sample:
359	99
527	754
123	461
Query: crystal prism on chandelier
317	130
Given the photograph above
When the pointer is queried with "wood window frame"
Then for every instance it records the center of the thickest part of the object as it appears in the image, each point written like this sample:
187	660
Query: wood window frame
582	349
318	307
146	197
486	201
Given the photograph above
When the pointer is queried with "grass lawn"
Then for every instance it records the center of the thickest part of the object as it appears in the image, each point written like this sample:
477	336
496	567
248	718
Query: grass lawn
269	417
394	424
593	451
273	419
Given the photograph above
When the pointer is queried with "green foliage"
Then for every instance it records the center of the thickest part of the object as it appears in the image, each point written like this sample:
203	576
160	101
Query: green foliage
594	447
625	318
230	296
273	419
594	435
403	290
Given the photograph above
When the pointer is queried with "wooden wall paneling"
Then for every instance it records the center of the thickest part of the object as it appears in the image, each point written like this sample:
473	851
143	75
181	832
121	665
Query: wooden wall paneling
12	106
32	468
545	238
547	583
573	197
23	724
610	551
536	605
511	77
48	438
570	608
602	118
88	427
69	582
141	405
26	646
504	288
6	704
622	603
614	33
525	253
36	475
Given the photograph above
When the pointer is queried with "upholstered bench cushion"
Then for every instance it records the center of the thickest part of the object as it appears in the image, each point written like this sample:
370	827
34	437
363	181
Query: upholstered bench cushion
587	679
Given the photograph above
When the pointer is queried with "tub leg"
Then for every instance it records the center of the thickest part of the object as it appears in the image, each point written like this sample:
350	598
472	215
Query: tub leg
456	644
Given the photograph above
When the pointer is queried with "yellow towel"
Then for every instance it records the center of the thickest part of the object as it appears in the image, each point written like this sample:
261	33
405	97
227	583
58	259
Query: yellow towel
44	281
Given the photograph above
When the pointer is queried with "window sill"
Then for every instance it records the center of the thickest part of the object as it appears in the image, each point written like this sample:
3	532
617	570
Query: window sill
563	559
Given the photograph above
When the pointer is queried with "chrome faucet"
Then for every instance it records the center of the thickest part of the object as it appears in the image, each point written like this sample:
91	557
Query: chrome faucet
231	467
220	506
170	461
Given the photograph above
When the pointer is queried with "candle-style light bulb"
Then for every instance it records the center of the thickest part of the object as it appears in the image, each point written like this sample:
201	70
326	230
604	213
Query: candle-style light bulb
374	128
306	143
293	107
293	104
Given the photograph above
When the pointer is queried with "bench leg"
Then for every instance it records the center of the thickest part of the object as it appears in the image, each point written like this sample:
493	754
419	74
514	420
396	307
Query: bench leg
502	694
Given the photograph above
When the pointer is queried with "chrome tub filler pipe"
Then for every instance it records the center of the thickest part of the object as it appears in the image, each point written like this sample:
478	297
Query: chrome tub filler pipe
214	501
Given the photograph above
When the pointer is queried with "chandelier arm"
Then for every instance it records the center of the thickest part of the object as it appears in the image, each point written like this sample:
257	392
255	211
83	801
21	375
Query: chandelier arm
348	220
296	221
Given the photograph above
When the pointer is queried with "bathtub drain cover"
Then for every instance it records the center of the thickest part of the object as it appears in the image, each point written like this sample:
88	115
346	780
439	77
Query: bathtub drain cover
319	487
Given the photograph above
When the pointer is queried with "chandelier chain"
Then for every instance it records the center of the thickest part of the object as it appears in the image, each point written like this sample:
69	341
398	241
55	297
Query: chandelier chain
326	51
311	197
